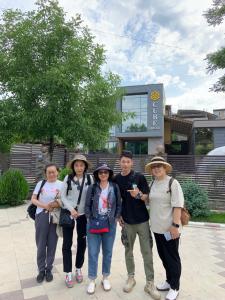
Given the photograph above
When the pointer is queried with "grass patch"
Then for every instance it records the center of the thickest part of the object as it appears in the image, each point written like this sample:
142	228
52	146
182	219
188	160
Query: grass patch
212	218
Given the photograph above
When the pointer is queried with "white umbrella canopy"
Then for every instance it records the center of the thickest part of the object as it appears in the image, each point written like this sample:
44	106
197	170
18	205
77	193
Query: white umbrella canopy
217	151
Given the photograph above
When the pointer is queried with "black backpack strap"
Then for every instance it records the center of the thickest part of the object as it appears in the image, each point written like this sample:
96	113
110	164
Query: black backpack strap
170	184
81	190
42	184
69	187
88	179
151	185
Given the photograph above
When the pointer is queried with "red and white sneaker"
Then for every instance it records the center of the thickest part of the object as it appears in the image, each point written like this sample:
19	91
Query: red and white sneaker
69	280
78	275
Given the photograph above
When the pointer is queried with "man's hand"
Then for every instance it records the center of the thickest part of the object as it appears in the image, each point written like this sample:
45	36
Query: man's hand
134	193
121	221
174	232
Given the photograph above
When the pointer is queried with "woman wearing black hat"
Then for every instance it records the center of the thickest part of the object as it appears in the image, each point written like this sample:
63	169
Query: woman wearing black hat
102	209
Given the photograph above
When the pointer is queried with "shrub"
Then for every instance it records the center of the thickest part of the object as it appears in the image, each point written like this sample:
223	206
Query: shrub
13	188
63	172
196	199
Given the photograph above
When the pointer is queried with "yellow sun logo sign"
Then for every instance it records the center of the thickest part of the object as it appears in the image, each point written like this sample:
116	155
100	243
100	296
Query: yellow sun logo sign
155	95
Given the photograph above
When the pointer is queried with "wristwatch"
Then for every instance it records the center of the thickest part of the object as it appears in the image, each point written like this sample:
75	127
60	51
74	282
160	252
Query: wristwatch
175	225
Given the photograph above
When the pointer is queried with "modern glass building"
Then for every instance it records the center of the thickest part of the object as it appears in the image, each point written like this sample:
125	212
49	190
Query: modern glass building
143	130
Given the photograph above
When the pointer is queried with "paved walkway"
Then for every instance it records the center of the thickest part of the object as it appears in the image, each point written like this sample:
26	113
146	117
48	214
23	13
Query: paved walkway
202	251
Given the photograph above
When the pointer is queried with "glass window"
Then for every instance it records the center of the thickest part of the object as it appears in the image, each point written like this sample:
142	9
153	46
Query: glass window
111	147
136	104
137	147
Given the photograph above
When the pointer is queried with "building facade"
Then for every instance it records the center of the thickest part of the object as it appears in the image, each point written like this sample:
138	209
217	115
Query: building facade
143	129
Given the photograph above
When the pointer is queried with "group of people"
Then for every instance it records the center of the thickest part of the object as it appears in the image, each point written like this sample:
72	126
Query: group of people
96	204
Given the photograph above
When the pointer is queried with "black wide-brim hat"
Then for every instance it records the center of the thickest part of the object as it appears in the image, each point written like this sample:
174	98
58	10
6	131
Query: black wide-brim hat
103	166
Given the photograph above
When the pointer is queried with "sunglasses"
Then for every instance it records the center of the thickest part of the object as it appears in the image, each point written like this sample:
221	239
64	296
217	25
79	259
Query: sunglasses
157	166
103	172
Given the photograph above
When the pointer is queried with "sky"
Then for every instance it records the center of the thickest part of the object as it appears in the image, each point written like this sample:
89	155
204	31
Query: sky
156	41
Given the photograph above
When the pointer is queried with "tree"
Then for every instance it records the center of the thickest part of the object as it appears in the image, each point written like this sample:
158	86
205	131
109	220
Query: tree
216	60
51	79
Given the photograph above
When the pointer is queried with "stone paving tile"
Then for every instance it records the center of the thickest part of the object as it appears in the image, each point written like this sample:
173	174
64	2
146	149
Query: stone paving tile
16	295
222	274
223	286
29	282
202	252
44	297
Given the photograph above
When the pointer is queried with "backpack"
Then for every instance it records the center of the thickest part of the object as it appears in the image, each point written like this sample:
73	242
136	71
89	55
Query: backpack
70	179
185	216
31	210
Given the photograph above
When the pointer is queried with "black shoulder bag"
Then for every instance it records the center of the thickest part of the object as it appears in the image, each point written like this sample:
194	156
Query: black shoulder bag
65	219
31	210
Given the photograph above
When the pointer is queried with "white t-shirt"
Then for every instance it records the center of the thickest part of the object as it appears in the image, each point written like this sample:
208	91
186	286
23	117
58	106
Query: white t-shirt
103	201
162	203
48	192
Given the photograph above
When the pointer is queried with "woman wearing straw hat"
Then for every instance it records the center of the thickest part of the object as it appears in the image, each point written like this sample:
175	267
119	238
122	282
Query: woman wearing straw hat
73	196
102	209
165	212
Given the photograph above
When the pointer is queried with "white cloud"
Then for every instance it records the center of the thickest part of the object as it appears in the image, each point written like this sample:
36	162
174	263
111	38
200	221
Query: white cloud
197	98
154	41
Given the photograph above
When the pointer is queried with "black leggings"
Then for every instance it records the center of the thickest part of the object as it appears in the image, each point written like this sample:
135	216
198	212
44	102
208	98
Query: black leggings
81	244
168	252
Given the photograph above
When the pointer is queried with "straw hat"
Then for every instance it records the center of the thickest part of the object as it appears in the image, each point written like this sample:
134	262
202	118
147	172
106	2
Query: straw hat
79	157
158	160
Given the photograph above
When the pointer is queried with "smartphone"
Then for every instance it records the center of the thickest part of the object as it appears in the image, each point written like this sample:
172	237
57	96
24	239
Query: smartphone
134	186
168	236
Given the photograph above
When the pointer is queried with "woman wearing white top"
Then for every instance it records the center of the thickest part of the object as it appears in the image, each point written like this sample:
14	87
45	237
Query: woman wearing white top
165	214
46	237
74	189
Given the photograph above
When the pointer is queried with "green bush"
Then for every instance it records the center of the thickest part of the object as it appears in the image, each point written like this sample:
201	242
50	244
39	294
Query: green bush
13	188
196	199
63	172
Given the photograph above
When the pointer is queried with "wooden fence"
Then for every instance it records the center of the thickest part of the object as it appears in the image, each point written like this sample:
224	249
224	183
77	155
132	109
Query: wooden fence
207	171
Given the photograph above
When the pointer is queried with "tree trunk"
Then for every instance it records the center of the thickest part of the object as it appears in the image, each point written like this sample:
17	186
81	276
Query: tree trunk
51	147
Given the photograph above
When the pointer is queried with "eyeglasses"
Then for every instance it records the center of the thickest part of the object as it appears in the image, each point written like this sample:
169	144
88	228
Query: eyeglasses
157	166
103	172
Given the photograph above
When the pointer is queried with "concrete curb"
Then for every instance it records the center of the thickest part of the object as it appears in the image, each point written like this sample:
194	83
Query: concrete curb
207	225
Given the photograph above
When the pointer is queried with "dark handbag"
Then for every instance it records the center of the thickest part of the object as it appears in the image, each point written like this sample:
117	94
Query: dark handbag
98	226
31	210
65	219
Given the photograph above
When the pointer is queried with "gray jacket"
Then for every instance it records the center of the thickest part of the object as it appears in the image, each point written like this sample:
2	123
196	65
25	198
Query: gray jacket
91	205
70	201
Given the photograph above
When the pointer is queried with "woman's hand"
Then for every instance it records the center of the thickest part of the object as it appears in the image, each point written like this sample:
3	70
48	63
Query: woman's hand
174	232
48	207
74	213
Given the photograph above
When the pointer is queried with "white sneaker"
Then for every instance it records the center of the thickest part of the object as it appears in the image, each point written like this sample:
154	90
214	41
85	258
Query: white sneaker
172	295
91	287
164	286
106	284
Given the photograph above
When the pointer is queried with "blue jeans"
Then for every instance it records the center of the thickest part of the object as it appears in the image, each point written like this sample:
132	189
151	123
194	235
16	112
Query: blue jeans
94	243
